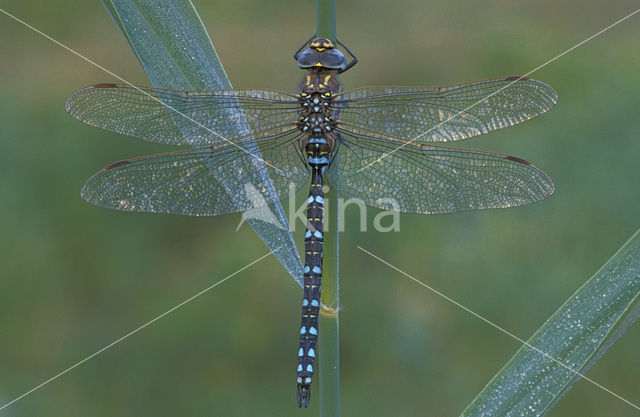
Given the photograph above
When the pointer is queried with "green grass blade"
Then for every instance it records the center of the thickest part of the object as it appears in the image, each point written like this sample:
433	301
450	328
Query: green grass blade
577	335
326	19
329	319
173	47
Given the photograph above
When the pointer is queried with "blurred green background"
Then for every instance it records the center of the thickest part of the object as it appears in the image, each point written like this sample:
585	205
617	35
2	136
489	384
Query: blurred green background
75	277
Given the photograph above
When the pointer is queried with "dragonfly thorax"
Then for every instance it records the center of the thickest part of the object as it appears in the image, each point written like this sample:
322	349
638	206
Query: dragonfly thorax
316	121
316	92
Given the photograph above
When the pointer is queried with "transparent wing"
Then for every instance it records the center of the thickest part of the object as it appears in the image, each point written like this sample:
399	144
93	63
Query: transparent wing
187	182
185	118
432	179
443	114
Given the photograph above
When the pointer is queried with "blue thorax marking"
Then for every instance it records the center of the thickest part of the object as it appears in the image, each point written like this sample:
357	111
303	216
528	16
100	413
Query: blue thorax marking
318	140
323	160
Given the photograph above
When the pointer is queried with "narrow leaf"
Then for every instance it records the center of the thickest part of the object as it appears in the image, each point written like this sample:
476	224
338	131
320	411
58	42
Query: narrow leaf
173	47
576	335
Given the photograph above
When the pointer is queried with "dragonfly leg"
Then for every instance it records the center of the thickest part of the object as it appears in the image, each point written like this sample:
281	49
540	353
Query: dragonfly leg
295	55
354	59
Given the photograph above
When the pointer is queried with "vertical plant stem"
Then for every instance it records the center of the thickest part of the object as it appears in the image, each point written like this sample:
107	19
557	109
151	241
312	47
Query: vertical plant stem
326	19
329	340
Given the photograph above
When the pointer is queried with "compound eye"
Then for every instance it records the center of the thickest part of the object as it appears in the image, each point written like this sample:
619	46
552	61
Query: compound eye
333	59
308	58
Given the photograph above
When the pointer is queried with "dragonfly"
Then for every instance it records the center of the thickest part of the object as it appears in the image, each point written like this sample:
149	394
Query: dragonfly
382	145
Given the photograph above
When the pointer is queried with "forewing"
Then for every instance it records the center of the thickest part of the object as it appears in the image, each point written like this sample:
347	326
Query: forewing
201	182
185	118
443	114
433	179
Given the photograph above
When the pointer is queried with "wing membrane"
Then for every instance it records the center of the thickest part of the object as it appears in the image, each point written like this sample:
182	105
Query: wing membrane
433	179
185	118
443	114
201	182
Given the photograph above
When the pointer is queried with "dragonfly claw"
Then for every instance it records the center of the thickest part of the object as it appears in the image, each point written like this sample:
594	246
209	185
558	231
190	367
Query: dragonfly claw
304	394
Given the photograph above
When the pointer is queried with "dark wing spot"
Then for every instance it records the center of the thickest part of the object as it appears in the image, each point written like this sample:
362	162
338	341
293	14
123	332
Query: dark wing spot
516	159
117	164
104	85
516	78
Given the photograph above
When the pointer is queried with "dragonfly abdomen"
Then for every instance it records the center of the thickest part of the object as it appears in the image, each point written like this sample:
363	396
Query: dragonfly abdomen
317	151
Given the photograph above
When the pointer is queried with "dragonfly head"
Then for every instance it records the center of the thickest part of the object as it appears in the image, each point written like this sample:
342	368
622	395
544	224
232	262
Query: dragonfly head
321	44
322	53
